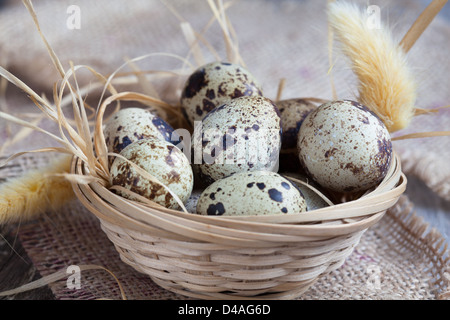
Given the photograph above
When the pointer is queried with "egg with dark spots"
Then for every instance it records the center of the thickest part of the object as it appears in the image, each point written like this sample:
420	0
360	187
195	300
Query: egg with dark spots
131	124
344	146
243	134
163	161
214	83
293	112
238	194
191	203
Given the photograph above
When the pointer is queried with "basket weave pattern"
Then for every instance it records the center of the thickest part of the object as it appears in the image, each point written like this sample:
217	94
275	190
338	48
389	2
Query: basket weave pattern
273	257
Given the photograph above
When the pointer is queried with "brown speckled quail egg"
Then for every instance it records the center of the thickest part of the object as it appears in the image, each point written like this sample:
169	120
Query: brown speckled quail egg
293	112
238	194
214	83
243	134
131	124
344	146
162	160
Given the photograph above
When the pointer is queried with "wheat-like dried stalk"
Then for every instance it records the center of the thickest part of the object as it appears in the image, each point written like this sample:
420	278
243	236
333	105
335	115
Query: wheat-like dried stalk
385	81
386	84
23	198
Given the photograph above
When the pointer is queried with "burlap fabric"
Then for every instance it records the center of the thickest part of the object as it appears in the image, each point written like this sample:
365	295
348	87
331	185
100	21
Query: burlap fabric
398	258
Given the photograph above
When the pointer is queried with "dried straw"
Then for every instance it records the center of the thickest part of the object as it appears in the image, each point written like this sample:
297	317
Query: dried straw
421	24
147	235
62	274
386	85
75	135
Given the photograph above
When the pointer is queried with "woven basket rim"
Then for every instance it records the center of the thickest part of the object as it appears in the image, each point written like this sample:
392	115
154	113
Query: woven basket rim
336	220
210	257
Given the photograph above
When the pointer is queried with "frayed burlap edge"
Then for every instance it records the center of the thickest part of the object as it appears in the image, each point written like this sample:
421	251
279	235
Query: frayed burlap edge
429	168
417	234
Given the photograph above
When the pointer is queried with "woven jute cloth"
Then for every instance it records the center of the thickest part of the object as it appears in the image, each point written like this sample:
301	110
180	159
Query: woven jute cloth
400	257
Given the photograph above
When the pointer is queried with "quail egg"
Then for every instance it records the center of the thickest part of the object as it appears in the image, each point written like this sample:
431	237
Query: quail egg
162	160
344	146
191	204
214	83
243	134
293	112
131	124
238	194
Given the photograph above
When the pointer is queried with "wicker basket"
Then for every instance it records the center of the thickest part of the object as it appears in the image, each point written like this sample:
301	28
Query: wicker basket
263	257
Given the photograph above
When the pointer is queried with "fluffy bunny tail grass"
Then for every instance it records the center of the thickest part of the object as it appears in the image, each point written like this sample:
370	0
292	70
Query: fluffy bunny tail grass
386	84
24	198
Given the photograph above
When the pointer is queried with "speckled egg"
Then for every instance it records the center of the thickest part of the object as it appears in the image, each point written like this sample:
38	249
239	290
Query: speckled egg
313	200
344	146
243	134
131	124
162	160
214	83
293	112
238	194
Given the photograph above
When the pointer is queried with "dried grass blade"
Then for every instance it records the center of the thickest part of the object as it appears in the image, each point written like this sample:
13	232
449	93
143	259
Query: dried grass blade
78	179
421	24
418	135
231	48
281	86
30	125
33	95
330	57
146	85
192	41
21	134
82	123
198	36
154	54
52	53
59	275
421	111
18	154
